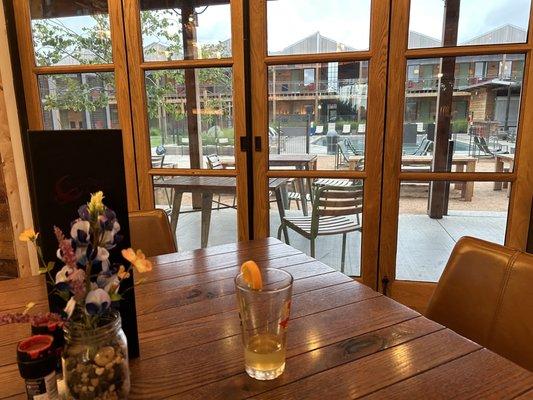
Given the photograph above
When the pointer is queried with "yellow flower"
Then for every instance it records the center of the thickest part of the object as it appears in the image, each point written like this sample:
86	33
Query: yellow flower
28	235
137	259
96	205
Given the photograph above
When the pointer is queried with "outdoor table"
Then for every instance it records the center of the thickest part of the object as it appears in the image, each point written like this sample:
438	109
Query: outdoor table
296	161
461	163
500	160
207	186
344	339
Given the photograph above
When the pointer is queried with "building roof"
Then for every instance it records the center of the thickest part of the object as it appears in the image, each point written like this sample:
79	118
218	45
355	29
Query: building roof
418	40
504	34
315	43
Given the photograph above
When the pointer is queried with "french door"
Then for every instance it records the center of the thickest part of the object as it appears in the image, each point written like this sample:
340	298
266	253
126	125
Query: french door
235	114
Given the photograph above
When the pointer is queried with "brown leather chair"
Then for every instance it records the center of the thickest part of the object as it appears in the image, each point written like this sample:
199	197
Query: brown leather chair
150	231
486	294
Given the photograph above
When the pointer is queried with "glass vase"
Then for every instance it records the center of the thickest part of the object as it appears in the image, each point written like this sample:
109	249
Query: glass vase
95	361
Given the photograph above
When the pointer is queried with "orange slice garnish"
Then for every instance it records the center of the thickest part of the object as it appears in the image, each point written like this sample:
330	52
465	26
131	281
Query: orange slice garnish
252	275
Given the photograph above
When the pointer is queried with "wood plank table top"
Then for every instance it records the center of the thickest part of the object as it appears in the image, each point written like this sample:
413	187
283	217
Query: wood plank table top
345	340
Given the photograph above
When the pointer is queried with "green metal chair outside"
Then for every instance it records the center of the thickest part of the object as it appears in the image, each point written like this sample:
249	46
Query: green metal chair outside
332	207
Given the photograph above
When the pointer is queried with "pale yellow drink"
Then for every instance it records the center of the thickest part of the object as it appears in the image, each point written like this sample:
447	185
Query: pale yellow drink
265	352
264	310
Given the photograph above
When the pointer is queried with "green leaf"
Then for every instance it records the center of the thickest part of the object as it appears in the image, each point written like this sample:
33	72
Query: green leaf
49	267
64	294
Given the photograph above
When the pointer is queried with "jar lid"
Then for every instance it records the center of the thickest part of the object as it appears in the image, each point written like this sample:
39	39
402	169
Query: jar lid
34	347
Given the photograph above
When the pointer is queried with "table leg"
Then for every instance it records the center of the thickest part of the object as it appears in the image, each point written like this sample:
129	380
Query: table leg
176	205
468	188
459	168
281	209
498	167
207	202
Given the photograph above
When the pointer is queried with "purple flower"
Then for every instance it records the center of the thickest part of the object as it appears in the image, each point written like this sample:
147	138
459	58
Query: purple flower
97	301
83	212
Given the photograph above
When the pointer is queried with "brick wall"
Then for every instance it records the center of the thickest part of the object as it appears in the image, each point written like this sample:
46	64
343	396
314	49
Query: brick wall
482	104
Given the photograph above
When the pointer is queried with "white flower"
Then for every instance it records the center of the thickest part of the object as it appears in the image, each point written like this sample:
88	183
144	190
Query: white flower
70	307
63	273
80	231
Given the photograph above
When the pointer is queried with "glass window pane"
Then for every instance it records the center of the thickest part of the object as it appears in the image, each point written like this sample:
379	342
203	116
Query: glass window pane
435	215
190	114
317	115
315	26
479	102
79	101
184	198
71	32
335	205
480	22
207	30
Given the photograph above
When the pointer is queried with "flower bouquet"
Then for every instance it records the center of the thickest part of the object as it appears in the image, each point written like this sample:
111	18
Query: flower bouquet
95	356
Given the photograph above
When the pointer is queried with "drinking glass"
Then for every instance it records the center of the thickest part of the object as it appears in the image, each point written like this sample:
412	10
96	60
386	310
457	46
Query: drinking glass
264	315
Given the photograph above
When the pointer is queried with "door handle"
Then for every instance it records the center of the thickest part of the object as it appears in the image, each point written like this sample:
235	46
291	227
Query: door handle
257	143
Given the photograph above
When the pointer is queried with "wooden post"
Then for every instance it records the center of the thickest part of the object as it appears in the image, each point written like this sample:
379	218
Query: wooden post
437	203
192	104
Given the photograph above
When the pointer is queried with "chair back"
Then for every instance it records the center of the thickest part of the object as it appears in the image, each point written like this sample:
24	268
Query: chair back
485	295
150	231
346	128
213	162
319	130
331	126
334	201
157	161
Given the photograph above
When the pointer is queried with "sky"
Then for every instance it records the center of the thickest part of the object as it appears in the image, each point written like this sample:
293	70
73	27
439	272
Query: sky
475	17
348	21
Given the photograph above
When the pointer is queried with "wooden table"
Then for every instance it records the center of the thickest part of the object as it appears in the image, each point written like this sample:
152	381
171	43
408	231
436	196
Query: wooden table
417	164
296	161
499	163
344	339
207	187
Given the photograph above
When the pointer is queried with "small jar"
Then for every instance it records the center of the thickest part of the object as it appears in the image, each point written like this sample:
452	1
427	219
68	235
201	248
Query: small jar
54	329
95	361
37	361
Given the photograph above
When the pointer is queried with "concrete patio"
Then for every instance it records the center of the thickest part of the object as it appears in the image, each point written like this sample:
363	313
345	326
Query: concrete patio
424	244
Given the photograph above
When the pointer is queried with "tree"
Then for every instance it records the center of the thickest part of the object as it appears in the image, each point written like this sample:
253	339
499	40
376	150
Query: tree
57	43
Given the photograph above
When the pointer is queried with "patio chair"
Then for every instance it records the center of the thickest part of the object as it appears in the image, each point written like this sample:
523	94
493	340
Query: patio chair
319	130
346	129
361	128
423	148
213	162
342	158
481	144
331	127
332	207
158	161
349	144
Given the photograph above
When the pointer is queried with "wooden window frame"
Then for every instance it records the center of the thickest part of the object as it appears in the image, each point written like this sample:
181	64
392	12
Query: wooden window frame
412	293
30	73
377	59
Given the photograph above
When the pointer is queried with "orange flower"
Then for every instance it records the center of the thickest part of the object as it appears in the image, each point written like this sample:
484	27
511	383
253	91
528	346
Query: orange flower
137	259
122	273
